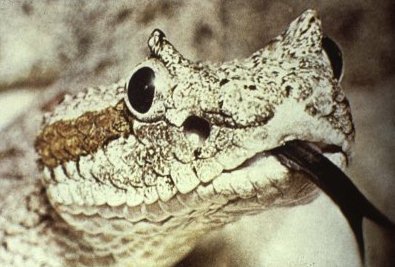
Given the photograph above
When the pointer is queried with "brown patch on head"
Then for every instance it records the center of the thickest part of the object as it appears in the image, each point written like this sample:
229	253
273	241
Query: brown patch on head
63	141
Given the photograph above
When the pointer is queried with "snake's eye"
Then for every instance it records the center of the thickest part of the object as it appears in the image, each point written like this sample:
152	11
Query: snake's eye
335	56
147	91
141	89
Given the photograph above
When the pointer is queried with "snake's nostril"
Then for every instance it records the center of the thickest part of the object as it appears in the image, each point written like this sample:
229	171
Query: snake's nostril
196	129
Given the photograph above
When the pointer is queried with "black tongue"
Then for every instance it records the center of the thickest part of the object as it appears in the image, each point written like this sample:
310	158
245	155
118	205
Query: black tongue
304	156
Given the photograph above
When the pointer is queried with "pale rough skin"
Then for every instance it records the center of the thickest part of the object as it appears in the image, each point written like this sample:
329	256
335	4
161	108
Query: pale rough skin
148	186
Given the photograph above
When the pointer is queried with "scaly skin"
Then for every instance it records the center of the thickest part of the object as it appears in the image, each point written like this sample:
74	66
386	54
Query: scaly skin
129	182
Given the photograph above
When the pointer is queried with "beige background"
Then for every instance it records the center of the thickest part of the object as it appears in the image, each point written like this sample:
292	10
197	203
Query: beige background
58	45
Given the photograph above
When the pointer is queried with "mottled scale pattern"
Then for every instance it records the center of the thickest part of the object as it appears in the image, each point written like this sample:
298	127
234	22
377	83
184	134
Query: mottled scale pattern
27	228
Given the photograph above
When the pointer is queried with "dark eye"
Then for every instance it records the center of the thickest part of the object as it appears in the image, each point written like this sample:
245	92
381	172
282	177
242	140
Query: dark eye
335	56
141	89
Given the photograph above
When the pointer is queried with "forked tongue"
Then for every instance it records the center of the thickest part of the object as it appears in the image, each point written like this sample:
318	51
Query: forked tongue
304	156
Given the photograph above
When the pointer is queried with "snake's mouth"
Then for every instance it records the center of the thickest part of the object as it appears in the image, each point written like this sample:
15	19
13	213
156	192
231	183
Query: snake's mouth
309	158
334	152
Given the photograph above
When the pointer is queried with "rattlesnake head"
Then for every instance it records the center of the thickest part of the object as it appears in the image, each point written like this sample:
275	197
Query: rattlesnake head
142	168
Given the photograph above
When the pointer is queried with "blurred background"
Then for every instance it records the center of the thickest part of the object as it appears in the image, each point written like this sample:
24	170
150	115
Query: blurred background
52	46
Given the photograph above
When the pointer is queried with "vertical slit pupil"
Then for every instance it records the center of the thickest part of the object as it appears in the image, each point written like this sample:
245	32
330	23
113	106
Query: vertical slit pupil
141	89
